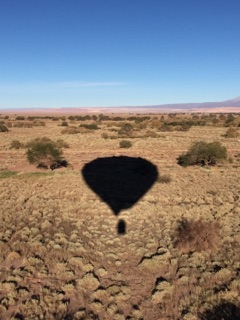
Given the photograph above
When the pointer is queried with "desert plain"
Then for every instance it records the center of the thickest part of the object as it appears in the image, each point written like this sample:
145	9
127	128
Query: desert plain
61	253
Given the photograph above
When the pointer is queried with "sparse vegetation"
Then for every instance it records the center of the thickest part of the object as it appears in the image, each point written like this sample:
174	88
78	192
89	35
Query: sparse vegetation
61	254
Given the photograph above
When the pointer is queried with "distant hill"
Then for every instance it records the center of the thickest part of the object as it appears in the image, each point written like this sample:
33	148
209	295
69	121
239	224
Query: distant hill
206	105
232	105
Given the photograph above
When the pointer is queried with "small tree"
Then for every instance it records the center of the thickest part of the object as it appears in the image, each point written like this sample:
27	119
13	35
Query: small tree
45	152
203	153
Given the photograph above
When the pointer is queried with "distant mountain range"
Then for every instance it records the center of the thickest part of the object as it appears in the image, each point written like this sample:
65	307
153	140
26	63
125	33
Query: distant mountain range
206	105
232	105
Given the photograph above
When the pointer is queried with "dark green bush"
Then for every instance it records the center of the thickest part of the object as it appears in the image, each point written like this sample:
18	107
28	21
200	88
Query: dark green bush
203	153
64	124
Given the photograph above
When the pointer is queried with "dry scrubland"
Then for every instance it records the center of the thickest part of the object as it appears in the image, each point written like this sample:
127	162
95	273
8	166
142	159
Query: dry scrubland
62	258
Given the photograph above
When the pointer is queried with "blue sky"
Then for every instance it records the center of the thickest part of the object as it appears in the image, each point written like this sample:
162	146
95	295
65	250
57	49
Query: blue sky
118	52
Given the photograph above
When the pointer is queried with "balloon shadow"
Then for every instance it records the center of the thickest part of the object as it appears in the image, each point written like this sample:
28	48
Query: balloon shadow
120	181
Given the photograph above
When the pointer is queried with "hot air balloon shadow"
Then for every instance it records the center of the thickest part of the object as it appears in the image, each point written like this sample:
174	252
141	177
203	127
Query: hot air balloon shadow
120	181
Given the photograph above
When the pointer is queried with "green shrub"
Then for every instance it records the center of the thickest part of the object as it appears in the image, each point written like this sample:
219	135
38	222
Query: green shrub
64	124
3	128
203	153
43	152
125	144
59	143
